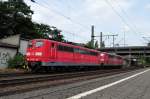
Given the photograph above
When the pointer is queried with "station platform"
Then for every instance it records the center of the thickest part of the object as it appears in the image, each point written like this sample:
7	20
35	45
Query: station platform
131	85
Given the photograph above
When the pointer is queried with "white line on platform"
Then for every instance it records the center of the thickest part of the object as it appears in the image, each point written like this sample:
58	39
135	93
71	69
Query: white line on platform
81	95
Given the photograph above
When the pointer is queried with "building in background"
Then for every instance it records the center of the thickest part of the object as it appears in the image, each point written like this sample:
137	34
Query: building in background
8	49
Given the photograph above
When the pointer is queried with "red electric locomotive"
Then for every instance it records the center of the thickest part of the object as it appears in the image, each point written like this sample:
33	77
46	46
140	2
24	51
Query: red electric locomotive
48	54
107	59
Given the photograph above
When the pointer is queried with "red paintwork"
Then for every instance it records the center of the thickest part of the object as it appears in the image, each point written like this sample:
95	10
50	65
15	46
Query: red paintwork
51	54
109	59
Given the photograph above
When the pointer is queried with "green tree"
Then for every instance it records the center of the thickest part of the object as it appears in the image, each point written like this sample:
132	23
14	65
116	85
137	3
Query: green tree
103	44
89	45
96	45
47	32
15	18
42	30
56	35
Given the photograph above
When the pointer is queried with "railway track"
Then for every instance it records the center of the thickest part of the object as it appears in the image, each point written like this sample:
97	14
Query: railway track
5	75
12	85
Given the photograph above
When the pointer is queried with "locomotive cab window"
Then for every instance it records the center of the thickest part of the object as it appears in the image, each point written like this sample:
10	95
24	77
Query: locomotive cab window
65	48
39	44
94	53
76	50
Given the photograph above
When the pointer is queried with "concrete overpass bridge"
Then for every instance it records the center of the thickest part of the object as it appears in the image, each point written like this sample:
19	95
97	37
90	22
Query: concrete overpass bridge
131	50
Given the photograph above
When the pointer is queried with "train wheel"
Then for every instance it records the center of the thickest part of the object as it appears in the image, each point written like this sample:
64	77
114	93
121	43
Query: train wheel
102	66
46	69
36	69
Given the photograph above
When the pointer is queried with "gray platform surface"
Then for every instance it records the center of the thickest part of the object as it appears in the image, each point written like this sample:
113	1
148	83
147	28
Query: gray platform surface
134	88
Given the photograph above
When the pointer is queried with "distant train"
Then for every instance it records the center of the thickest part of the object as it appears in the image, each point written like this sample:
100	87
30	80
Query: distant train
48	54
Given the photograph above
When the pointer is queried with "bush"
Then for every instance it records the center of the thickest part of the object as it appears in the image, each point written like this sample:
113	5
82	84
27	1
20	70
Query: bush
18	61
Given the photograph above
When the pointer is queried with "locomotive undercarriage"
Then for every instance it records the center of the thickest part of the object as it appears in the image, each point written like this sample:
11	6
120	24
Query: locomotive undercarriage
55	66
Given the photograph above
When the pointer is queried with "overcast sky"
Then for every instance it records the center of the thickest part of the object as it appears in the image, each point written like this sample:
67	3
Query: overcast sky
75	17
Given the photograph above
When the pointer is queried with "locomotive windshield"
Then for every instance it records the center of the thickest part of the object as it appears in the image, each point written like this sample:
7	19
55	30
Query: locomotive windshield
39	44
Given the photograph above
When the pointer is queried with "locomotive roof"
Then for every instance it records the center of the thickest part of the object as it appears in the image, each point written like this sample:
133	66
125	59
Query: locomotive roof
112	54
75	46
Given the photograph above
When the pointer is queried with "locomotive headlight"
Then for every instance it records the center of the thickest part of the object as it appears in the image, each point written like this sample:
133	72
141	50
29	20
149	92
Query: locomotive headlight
38	53
28	53
102	59
102	54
